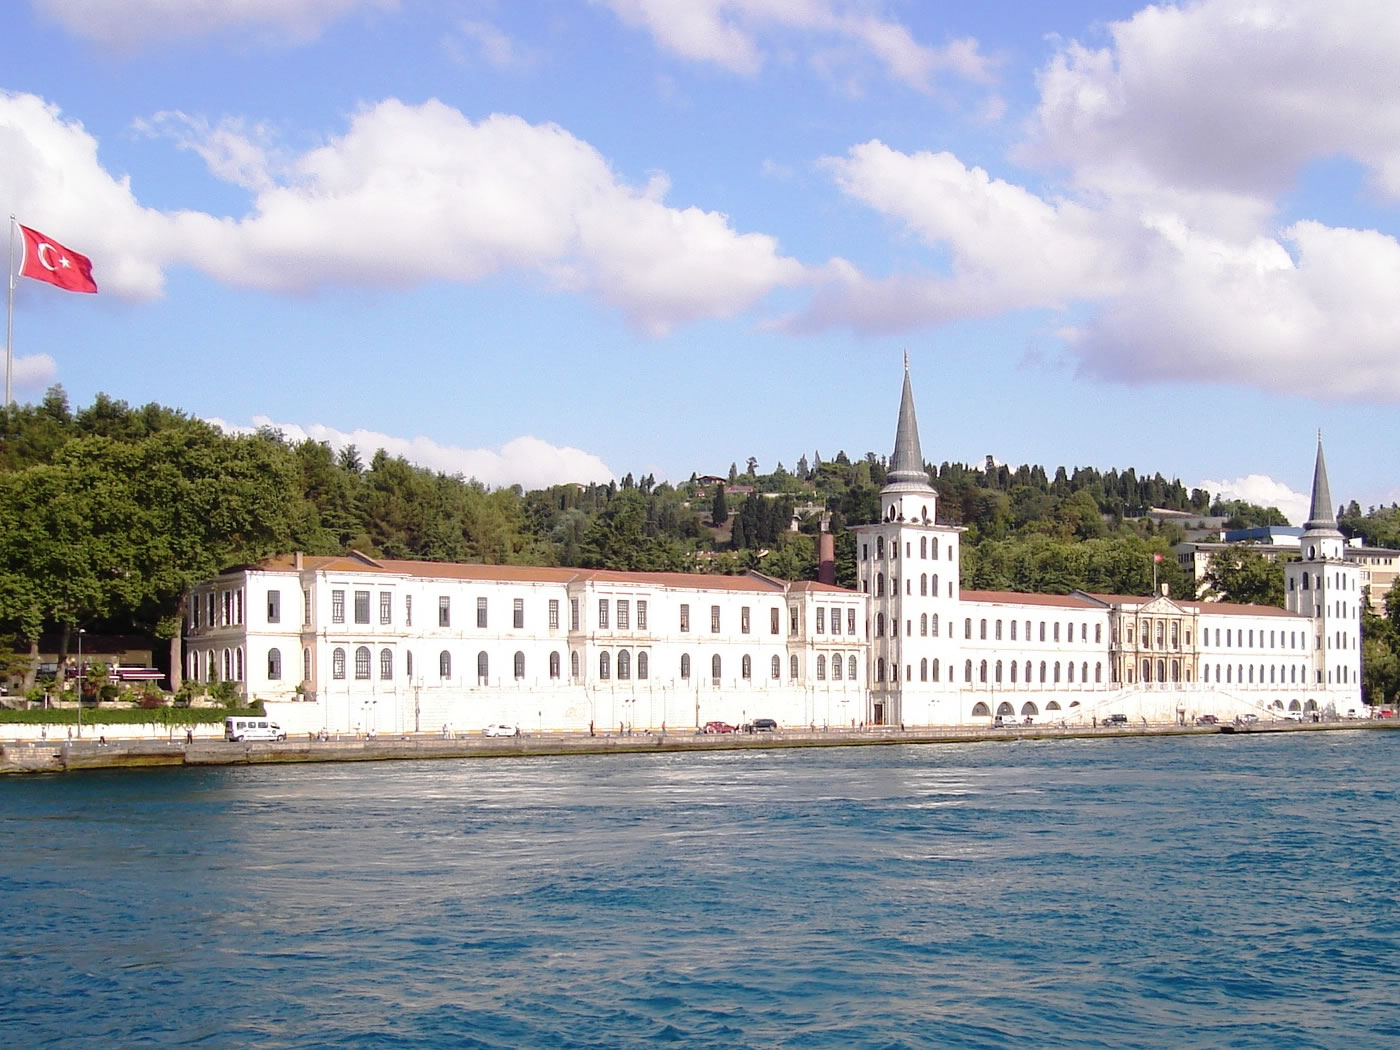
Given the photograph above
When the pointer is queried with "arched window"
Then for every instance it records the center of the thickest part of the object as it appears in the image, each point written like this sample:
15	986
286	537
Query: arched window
982	672
238	660
981	710
1013	668
880	669
967	628
483	666
338	663
821	668
923	546
1147	670
933	585
923	670
574	664
306	664
386	664
776	671
879	625
685	665
879	584
998	672
519	662
715	667
210	668
642	666
554	663
850	667
923	624
1042	670
746	667
1161	670
792	667
604	665
624	665
967	671
982	627
1057	672
1070	668
1098	634
923	585
1084	672
444	664
274	664
362	662
836	668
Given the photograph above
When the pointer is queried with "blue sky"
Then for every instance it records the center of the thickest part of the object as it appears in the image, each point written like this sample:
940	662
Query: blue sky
565	240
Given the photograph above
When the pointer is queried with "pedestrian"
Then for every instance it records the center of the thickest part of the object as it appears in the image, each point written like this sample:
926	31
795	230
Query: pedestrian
189	735
70	734
43	732
1096	721
590	727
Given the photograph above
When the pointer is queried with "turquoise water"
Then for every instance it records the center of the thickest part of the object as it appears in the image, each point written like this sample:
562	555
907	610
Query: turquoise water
1194	892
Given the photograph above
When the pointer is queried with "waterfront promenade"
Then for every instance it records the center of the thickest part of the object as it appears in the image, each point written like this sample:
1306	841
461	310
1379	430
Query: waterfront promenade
48	757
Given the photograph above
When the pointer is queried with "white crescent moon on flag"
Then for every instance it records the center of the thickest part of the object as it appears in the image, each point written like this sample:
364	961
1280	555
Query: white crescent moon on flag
43	261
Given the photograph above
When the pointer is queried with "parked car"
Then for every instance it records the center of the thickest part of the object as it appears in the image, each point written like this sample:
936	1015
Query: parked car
501	730
1003	721
720	727
1246	720
1207	720
1293	716
763	725
1115	720
241	729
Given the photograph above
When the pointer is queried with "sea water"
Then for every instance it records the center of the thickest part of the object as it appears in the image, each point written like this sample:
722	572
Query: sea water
1189	892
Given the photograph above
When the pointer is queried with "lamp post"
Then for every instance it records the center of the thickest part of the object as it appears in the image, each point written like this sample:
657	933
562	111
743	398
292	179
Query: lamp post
81	632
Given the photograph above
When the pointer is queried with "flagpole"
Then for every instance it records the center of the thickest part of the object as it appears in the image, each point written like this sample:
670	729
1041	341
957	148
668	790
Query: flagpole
10	318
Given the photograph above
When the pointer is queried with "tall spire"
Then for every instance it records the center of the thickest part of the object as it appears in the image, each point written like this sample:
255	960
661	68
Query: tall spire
1321	516
907	463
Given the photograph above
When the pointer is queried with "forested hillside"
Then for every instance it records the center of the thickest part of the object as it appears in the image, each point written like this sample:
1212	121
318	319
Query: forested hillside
109	513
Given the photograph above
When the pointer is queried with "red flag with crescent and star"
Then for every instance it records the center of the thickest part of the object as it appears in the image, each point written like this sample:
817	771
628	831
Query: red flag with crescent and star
46	260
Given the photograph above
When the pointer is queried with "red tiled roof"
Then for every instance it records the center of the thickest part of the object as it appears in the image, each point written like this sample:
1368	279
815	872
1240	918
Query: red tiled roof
1067	601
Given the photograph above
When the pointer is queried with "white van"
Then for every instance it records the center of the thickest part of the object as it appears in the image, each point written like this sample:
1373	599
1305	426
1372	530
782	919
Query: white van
243	727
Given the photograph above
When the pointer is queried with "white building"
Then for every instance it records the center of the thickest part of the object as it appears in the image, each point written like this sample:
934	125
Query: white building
408	646
356	643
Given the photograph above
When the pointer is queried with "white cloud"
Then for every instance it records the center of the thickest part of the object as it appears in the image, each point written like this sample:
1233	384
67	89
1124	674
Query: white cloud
525	461
730	34
130	24
1224	96
409	194
1262	491
494	47
33	372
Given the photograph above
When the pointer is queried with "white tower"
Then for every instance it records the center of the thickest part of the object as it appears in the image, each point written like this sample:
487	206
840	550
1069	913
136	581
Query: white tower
1326	587
909	565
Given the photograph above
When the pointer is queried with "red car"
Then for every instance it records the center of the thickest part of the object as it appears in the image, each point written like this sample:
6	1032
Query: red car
720	727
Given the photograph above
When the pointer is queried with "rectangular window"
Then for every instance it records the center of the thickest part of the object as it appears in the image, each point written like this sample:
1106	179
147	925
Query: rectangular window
554	616
306	606
821	620
835	620
792	621
744	620
337	606
517	612
714	619
274	606
602	613
641	615
444	611
685	618
408	610
386	607
362	606
481	612
775	617
195	607
624	614
851	623
573	614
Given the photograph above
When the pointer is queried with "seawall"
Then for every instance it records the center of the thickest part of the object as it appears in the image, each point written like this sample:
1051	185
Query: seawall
44	757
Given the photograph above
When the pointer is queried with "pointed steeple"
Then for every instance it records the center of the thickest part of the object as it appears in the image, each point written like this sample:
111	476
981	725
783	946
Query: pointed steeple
1321	516
907	463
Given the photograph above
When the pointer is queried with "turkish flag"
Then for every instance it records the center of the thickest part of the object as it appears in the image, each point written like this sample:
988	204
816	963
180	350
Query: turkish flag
46	260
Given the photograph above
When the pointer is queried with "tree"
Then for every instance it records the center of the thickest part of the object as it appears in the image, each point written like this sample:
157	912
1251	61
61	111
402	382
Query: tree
719	509
1242	574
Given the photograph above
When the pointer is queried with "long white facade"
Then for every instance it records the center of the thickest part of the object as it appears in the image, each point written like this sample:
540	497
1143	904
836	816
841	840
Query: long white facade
355	643
404	646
